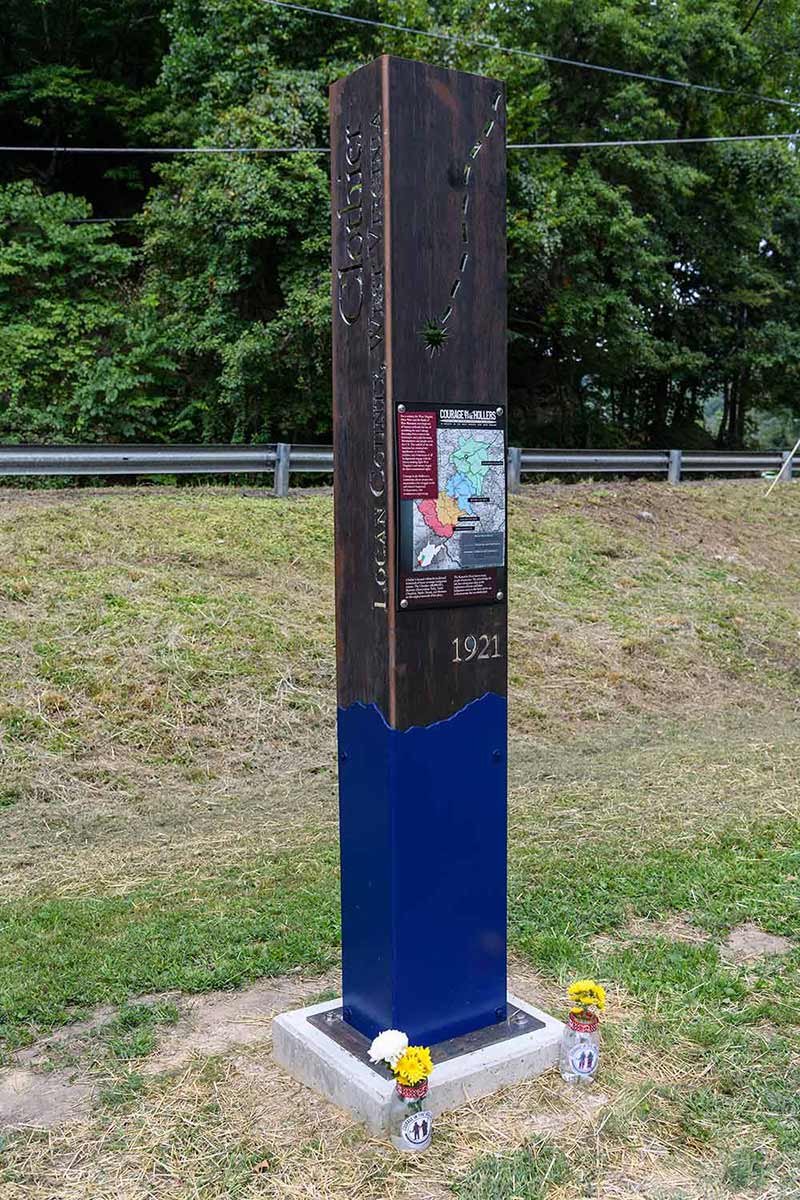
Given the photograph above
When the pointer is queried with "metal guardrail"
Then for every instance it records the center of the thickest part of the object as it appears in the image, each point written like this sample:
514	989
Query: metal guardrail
134	460
273	458
281	458
675	464
594	462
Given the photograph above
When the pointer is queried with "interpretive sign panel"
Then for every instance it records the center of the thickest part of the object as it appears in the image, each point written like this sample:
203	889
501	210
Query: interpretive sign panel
452	505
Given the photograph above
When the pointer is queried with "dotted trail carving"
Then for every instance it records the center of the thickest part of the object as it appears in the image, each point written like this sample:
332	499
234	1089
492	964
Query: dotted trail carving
435	331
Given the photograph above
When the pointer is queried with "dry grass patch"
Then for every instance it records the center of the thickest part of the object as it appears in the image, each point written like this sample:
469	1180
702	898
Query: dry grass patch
675	927
172	691
171	700
168	698
696	611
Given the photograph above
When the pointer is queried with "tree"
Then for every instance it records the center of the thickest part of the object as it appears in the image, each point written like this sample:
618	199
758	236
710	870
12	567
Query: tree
80	73
61	302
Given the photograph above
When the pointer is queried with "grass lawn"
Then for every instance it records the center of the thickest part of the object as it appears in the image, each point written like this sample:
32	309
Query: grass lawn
168	814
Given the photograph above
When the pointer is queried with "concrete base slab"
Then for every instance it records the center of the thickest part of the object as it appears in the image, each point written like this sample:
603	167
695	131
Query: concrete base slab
351	1082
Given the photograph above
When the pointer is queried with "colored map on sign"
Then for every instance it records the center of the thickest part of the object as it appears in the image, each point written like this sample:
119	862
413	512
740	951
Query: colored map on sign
469	460
465	525
441	515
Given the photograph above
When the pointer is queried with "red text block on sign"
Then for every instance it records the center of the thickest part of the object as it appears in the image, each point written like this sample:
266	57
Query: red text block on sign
418	466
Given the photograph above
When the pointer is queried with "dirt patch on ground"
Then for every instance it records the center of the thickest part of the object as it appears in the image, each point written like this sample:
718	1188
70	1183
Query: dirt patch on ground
217	1116
674	928
748	943
210	1026
32	1100
33	1095
72	1041
215	1023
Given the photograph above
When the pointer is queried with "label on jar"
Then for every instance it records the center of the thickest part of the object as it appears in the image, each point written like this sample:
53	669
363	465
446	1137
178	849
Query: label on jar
416	1130
583	1058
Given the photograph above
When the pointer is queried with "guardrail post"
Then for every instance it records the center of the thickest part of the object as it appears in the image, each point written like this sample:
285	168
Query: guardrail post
514	469
283	453
787	468
675	465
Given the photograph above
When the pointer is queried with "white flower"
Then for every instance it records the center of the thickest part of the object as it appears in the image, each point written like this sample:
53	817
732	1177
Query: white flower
388	1046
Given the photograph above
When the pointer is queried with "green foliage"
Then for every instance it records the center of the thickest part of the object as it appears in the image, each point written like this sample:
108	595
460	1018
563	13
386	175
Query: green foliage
77	71
643	282
234	254
60	302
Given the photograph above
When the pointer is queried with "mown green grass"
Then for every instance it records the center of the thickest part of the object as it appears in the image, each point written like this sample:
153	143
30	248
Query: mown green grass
132	1032
722	881
59	957
526	1174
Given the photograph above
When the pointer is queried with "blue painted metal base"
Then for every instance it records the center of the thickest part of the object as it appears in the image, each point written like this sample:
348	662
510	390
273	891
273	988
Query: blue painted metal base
423	848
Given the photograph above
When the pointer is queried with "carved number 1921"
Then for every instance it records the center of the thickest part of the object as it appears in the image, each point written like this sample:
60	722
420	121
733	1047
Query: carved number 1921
472	646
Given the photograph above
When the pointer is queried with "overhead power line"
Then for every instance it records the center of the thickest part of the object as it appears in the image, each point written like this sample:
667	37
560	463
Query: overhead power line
689	141
483	44
98	220
156	151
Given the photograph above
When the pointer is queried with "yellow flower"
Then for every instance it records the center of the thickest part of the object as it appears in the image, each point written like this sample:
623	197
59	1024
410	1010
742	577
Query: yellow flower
586	992
413	1066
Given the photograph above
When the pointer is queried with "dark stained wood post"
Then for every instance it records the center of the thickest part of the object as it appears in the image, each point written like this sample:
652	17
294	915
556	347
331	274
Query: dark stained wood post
419	363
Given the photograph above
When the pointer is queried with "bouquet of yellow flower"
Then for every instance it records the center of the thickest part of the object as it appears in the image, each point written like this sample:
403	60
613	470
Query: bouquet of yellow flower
587	997
413	1065
410	1065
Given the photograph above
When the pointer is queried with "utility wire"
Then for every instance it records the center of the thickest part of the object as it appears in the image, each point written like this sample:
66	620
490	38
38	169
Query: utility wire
156	151
98	220
551	58
690	141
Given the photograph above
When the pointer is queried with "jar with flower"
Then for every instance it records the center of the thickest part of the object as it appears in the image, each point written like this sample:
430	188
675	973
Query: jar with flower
410	1121
580	1046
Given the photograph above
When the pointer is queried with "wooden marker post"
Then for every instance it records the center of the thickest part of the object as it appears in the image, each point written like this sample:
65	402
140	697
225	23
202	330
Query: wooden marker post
419	368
